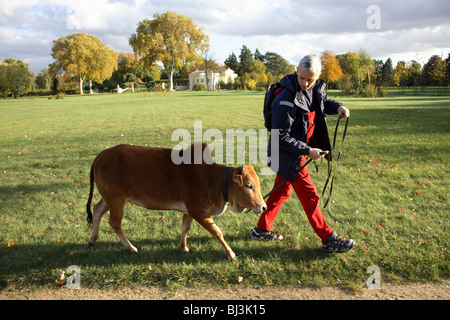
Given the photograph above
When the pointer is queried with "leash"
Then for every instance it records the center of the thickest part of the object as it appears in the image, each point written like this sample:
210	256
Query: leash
331	173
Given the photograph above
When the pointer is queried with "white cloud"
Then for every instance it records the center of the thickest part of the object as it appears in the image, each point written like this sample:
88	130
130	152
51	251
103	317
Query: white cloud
291	28
103	16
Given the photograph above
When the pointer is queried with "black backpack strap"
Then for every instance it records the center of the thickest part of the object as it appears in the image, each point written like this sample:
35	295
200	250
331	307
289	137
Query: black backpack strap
268	100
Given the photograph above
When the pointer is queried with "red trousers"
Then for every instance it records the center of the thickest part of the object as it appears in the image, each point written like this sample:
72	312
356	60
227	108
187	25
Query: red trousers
306	193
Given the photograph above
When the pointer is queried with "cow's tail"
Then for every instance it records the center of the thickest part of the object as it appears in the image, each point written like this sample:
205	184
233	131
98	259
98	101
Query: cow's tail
91	192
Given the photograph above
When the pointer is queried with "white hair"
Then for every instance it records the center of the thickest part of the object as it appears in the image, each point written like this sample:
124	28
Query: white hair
312	63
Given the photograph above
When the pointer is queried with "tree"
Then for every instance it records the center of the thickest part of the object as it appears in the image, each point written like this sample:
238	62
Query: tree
387	73
245	60
257	67
15	77
276	64
439	72
378	64
244	80
414	73
400	74
258	55
84	57
251	84
43	80
126	72
171	38
448	66
258	73
331	70
428	68
148	74
350	63
366	62
231	62
103	64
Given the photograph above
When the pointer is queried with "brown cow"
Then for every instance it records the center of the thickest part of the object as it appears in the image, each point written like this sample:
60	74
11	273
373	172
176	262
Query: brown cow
148	177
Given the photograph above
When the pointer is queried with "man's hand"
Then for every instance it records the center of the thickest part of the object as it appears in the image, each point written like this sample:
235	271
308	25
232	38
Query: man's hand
343	111
314	153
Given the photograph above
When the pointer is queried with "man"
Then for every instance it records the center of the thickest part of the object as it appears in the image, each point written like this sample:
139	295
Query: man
298	112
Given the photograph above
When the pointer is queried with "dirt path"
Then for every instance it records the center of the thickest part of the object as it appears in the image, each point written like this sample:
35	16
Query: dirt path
427	291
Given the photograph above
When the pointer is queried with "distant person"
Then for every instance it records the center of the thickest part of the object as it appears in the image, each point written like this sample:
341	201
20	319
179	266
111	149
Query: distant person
298	112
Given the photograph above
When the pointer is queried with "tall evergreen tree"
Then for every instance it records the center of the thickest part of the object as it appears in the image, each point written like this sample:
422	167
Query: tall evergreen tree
378	70
258	55
232	62
387	73
245	61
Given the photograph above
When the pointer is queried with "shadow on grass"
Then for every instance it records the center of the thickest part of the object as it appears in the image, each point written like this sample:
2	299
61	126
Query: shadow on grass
38	264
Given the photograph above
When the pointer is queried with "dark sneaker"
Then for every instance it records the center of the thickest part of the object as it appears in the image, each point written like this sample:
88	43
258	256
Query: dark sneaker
337	244
260	234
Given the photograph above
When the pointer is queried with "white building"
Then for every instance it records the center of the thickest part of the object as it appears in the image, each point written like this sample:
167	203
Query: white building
199	76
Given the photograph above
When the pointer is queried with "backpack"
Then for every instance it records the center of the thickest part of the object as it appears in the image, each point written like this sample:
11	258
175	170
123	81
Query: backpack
273	90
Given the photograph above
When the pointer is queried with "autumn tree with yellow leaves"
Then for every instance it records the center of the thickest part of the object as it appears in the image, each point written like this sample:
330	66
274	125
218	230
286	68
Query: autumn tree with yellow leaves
85	57
331	70
170	38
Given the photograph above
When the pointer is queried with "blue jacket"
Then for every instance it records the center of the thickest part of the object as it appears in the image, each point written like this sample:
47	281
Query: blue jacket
290	117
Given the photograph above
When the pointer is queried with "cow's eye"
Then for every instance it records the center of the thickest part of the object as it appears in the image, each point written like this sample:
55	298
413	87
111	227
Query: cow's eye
249	186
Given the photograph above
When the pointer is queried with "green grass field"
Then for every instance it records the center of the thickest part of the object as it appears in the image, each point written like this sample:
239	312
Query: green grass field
391	194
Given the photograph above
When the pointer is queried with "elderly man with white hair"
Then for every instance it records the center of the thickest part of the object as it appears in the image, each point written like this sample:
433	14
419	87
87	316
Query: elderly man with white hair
298	112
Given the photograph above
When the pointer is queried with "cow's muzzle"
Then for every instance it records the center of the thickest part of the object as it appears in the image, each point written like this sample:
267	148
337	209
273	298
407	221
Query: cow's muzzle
260	209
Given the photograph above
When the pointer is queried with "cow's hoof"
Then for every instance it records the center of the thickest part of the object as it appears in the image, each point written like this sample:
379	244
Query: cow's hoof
185	250
232	256
132	249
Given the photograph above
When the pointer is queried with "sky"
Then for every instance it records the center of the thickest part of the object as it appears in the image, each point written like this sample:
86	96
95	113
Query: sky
399	29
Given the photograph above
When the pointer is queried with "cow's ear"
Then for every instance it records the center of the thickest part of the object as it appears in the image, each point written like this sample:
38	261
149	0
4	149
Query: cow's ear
238	179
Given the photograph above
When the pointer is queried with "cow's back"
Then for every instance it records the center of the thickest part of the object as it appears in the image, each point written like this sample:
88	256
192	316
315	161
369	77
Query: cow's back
148	177
135	174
